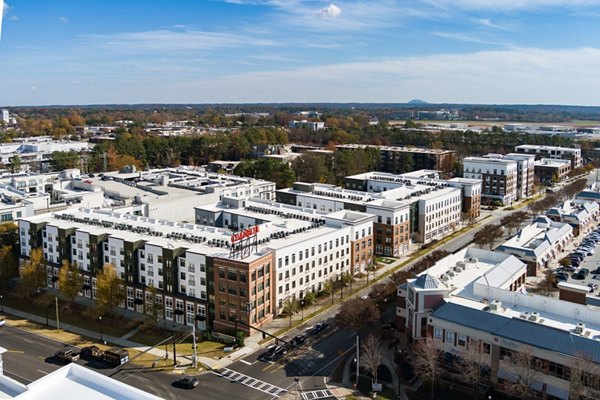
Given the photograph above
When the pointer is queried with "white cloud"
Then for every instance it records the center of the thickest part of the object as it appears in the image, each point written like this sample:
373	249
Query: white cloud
463	37
331	11
63	20
14	18
511	5
488	23
169	40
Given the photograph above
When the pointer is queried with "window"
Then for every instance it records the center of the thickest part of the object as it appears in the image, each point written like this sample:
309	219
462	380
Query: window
462	340
438	333
486	348
450	337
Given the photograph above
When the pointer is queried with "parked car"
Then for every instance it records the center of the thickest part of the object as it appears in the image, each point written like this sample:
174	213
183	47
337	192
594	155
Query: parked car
2	322
298	340
66	355
593	287
584	271
318	328
187	382
578	276
596	271
91	353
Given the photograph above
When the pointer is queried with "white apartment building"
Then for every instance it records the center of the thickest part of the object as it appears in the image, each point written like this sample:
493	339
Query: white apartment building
555	152
439	214
498	176
525	173
5	116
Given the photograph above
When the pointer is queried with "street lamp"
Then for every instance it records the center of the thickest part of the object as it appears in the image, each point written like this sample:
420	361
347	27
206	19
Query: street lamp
1	303
101	333
302	302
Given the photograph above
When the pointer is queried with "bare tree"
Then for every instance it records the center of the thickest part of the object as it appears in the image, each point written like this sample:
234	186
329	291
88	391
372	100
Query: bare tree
290	306
473	363
488	235
356	313
525	369
427	361
370	357
585	378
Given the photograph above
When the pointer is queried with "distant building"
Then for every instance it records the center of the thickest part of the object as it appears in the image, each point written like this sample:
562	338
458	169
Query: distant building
5	116
398	160
548	170
554	152
438	115
305	124
582	216
498	176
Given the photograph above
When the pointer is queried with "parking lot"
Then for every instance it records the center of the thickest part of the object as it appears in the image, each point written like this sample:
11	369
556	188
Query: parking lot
590	263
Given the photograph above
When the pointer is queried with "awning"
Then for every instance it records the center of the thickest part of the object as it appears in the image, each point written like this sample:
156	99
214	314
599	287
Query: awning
557	392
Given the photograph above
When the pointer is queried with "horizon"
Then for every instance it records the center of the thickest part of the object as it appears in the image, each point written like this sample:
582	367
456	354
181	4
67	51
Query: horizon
71	53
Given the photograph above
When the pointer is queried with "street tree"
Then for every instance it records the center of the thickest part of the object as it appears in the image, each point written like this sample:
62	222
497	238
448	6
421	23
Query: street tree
488	235
370	356
153	307
309	298
290	306
33	271
357	313
473	364
110	290
8	264
427	361
70	281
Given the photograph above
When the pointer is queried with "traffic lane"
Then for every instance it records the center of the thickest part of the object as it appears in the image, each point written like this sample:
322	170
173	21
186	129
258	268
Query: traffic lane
26	357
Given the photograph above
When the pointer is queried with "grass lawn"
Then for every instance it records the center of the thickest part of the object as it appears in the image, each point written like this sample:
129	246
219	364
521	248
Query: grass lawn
74	318
205	348
385	260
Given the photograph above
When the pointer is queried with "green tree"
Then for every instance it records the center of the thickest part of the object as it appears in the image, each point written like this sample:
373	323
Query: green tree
8	233
110	289
70	281
309	298
33	271
313	168
15	164
65	160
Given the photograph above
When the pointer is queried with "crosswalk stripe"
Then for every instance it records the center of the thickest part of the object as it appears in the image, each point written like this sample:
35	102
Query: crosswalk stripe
249	381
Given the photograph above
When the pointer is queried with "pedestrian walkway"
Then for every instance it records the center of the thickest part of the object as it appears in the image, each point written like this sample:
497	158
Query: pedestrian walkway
317	395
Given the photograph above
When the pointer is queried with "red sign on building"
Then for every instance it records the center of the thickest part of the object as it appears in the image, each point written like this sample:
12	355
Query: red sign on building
246	233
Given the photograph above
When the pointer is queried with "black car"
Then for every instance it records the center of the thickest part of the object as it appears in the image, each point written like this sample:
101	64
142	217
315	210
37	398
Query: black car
298	340
596	271
578	276
584	271
273	353
318	328
187	382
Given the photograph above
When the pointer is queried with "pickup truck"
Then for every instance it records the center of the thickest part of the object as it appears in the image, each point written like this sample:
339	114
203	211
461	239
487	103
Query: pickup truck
67	355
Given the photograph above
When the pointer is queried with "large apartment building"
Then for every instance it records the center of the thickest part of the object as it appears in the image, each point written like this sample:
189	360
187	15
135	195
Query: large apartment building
206	275
397	160
429	211
554	152
498	175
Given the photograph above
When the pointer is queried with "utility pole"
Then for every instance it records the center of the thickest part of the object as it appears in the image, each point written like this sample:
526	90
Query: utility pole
174	351
357	357
194	342
57	320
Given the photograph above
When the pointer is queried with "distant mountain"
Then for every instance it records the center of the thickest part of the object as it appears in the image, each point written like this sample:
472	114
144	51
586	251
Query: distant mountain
417	101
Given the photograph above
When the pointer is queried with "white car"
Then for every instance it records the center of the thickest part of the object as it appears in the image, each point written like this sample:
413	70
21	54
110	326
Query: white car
2	322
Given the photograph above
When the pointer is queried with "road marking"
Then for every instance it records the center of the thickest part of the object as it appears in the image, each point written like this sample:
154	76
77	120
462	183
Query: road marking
268	366
16	351
142	378
250	382
17	375
246	362
27	340
317	394
43	372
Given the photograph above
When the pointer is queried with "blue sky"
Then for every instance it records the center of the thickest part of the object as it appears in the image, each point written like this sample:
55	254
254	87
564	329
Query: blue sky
243	51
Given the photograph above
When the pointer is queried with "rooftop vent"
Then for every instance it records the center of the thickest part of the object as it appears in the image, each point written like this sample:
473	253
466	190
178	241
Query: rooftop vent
534	317
495	305
579	328
458	269
473	260
444	277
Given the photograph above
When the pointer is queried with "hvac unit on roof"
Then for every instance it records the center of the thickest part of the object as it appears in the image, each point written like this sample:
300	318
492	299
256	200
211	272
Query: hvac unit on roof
579	328
534	316
495	305
444	277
